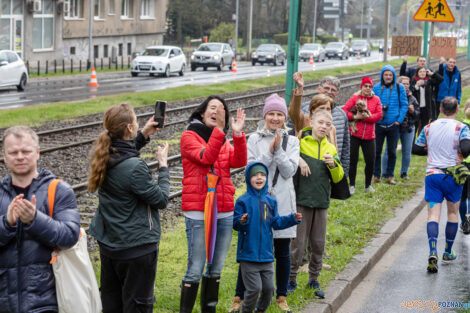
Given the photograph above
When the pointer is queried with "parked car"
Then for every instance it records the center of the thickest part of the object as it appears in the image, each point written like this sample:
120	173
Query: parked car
359	46
13	72
381	45
269	53
213	54
160	60
336	50
314	49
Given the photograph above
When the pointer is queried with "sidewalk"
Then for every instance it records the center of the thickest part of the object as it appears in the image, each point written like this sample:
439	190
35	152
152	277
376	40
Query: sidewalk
340	289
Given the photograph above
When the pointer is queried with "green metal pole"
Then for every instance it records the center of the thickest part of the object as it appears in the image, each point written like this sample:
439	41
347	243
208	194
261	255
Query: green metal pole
292	47
425	40
468	38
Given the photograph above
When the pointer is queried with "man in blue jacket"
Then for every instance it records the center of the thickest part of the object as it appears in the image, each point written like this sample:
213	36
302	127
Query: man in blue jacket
451	86
27	233
394	107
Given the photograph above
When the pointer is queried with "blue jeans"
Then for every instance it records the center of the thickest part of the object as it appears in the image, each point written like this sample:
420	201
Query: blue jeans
392	134
197	248
406	139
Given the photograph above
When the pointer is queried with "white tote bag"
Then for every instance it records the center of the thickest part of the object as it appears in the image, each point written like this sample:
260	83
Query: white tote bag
75	281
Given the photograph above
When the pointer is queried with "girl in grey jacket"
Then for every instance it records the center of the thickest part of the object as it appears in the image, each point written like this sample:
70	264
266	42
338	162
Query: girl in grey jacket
272	146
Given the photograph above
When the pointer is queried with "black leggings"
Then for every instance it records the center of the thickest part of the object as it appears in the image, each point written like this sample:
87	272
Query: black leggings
368	150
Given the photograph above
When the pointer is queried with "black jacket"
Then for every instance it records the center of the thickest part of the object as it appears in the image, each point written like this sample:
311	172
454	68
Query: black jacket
429	90
410	118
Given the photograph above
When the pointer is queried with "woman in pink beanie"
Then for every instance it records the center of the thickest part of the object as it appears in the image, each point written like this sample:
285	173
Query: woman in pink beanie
272	146
363	134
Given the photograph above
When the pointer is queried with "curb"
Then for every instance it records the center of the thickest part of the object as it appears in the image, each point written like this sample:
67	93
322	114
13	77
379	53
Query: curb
339	289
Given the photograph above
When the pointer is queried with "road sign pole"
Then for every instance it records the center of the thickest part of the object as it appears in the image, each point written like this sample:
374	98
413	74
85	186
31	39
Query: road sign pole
292	47
468	38
425	39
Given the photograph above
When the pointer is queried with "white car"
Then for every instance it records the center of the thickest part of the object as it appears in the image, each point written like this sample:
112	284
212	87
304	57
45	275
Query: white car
212	54
13	72
160	60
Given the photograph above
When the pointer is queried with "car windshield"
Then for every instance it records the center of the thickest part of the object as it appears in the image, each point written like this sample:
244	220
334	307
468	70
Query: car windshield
359	44
3	57
310	47
266	48
334	45
157	52
210	47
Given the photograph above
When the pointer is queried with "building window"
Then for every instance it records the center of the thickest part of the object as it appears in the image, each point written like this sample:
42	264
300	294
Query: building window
96	51
75	9
43	26
129	48
127	8
72	51
147	9
112	9
14	7
120	49
96	9
105	51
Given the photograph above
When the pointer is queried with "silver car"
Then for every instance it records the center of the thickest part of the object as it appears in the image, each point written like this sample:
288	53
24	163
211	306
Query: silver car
314	49
160	60
13	72
213	54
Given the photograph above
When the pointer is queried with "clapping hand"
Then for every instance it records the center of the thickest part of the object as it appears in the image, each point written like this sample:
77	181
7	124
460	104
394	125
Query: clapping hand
276	142
12	211
162	155
237	125
244	218
26	210
220	117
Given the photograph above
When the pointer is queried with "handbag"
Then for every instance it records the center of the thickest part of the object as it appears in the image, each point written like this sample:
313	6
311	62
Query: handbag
340	190
75	281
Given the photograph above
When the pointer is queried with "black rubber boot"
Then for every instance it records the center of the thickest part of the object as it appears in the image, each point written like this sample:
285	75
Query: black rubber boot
188	296
209	294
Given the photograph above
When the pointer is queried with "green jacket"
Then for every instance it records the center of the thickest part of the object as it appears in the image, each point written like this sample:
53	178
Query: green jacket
314	190
129	200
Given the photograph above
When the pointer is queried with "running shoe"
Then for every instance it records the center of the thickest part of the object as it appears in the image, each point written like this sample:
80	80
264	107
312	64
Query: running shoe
432	263
449	256
315	285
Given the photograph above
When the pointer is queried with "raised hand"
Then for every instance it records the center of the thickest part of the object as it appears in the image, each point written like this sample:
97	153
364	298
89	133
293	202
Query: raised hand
150	127
276	142
162	155
405	58
299	80
220	117
237	125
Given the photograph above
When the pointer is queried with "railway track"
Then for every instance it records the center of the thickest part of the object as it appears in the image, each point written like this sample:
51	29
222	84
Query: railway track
71	143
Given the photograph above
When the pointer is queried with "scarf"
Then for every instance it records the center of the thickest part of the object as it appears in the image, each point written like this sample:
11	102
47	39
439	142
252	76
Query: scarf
417	78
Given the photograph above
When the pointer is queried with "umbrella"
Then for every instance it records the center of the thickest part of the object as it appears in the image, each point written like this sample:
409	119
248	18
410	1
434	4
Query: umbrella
210	214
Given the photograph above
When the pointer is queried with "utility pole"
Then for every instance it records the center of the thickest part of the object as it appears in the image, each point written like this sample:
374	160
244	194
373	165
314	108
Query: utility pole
292	47
250	26
468	37
90	35
341	15
369	21
314	32
362	15
387	17
236	28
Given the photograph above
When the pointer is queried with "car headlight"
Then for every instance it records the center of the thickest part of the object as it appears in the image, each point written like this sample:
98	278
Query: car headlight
192	56
133	63
270	56
216	57
364	49
350	50
254	55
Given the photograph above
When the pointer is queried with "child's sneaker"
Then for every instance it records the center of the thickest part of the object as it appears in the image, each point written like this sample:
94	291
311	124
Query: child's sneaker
282	304
449	256
236	305
432	263
315	285
291	286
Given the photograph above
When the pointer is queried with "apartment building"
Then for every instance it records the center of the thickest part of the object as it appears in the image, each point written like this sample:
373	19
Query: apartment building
41	30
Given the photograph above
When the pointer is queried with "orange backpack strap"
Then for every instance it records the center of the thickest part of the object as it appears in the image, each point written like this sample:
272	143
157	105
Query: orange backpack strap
51	195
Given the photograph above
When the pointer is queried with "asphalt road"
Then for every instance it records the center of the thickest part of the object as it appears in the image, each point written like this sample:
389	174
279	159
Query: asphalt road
400	277
75	88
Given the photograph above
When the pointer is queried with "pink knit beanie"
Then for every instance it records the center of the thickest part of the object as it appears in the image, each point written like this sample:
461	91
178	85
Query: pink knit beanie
274	103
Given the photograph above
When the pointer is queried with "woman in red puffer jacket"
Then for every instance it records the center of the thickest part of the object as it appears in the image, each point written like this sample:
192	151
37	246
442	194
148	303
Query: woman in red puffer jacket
364	136
204	147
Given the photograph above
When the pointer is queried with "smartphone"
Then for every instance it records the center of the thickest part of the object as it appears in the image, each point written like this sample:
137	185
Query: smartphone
160	108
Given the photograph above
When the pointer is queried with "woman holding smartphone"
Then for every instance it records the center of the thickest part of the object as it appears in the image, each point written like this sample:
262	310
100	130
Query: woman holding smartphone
205	148
127	224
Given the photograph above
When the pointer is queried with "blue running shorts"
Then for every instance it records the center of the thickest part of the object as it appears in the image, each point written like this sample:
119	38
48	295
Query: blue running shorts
440	186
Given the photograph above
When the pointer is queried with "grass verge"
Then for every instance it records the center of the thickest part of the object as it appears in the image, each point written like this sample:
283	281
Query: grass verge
37	114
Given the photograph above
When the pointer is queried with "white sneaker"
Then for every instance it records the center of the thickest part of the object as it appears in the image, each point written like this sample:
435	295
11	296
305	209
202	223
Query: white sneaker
369	189
352	190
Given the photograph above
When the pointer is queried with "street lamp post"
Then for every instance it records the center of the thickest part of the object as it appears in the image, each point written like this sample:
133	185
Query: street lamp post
408	17
236	28
90	35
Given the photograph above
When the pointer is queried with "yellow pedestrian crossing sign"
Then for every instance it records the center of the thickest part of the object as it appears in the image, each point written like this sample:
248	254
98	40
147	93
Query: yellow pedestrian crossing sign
434	11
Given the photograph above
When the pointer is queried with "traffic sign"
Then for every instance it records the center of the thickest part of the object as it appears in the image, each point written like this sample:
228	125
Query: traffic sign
434	11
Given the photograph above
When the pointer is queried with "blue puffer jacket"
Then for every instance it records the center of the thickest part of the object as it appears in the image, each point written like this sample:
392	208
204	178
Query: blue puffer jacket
450	86
255	237
27	281
394	101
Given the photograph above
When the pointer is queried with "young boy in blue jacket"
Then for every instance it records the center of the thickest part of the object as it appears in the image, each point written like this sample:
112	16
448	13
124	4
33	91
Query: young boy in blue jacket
254	218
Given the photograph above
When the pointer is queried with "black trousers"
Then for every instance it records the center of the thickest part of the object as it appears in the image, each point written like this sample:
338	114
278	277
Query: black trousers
127	285
368	149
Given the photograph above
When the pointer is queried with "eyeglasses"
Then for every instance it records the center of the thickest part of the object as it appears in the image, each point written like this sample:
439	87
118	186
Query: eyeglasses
367	86
330	89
